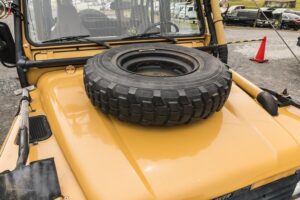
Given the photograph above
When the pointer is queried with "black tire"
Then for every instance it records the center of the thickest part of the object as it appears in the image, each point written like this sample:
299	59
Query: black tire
200	84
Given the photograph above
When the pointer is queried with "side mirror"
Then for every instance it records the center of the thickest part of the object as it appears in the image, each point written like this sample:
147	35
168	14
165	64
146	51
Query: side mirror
7	45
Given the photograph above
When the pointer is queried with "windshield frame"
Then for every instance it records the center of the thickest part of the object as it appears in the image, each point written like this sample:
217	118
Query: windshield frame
200	15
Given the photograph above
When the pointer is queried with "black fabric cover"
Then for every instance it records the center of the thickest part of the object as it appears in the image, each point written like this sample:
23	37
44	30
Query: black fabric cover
37	181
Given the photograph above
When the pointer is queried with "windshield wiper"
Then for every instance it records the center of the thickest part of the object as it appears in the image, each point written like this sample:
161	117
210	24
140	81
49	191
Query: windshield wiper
66	38
79	38
138	36
145	35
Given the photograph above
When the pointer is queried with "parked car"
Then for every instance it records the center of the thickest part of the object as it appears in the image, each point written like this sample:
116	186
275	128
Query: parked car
290	21
293	12
231	10
283	15
262	21
250	17
241	16
285	10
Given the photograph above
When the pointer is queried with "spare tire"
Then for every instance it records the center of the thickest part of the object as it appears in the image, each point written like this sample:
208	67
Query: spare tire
157	84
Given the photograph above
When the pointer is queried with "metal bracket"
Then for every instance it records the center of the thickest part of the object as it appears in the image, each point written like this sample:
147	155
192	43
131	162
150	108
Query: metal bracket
29	88
283	99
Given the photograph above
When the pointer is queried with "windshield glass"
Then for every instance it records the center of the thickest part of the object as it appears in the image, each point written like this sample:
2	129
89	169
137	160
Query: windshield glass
111	19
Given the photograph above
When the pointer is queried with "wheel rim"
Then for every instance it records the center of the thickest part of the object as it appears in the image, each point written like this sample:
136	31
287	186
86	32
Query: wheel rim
157	63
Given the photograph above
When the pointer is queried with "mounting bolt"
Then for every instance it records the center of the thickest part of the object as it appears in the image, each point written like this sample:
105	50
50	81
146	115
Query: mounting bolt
70	69
285	93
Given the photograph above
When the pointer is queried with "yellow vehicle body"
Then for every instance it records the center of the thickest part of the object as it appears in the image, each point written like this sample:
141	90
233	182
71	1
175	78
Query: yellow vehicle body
100	157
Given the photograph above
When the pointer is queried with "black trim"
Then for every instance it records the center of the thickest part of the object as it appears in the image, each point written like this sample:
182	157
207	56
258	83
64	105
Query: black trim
26	64
19	47
119	42
280	189
223	53
211	27
200	17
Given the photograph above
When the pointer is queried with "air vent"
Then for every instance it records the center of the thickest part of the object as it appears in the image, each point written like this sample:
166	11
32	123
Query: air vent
39	129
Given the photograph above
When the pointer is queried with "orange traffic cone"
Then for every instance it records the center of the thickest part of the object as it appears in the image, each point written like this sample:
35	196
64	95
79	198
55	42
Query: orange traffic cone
260	56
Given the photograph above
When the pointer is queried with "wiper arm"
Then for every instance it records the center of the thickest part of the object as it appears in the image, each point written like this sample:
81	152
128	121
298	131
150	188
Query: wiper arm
144	35
80	38
138	36
100	43
174	40
67	38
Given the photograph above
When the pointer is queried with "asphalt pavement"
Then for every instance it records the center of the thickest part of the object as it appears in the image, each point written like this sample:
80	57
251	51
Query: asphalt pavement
8	101
282	71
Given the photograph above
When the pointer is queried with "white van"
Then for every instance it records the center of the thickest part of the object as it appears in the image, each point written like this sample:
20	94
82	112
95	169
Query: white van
188	12
178	8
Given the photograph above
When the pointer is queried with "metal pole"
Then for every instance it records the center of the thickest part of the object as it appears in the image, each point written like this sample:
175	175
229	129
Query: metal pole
24	129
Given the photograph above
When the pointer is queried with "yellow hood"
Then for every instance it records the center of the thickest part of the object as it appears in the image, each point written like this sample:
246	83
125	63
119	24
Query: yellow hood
236	147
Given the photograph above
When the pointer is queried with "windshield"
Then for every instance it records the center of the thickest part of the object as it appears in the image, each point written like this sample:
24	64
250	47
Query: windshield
111	19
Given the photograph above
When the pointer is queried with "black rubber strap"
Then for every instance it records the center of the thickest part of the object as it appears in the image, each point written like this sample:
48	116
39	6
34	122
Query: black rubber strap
24	98
219	20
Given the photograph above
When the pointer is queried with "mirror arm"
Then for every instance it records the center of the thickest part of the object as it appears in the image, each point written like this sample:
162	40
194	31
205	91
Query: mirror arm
17	11
21	70
20	59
